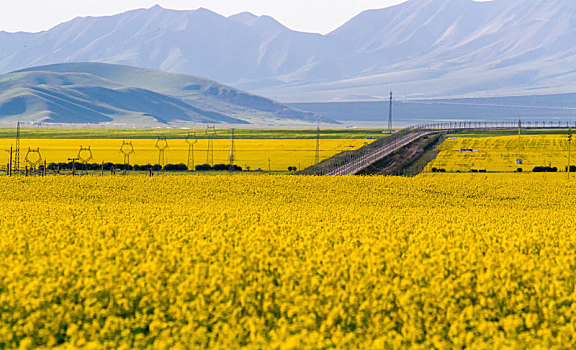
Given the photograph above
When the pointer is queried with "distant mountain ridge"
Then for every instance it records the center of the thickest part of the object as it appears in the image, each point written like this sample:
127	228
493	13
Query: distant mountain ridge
98	93
420	48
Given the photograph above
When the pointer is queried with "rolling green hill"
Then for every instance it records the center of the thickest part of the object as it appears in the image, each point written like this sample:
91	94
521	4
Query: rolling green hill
95	93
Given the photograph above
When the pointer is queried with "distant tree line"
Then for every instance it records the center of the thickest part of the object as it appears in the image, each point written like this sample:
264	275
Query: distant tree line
218	167
544	169
147	167
538	169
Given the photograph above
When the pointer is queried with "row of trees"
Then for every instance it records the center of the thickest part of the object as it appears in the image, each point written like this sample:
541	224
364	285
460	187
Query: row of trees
538	169
147	167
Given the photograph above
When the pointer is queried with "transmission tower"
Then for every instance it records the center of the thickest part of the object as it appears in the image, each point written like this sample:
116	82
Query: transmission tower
232	155
317	154
33	158
17	149
191	140
85	155
210	133
126	149
390	114
162	145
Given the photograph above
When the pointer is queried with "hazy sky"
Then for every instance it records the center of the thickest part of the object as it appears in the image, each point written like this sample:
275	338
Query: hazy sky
320	16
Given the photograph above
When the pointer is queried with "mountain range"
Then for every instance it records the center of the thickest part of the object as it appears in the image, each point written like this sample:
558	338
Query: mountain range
420	48
98	93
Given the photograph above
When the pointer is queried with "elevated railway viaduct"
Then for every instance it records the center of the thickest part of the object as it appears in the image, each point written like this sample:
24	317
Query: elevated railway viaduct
356	162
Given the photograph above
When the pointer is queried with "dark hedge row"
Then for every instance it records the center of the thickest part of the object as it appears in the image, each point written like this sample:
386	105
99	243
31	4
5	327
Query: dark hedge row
155	167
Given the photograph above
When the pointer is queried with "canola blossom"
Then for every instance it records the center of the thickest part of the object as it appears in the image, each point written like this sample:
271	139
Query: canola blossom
267	154
500	153
288	262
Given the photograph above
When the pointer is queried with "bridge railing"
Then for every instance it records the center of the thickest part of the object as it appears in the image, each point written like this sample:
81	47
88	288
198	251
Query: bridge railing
329	165
361	155
462	125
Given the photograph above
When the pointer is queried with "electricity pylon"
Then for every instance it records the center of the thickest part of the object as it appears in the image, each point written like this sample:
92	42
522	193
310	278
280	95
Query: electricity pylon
210	133
162	145
191	140
232	155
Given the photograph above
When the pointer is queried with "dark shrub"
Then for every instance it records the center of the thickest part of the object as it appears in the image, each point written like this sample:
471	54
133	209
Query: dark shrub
176	167
76	165
220	167
203	167
544	169
63	166
142	167
92	166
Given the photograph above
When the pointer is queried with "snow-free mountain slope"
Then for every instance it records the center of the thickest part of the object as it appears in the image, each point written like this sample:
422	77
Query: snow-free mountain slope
450	48
168	40
98	93
420	48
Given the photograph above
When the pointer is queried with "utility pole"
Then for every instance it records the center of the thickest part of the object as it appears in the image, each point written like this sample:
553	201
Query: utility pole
390	114
10	165
317	154
210	133
191	140
73	165
17	149
231	156
519	135
569	149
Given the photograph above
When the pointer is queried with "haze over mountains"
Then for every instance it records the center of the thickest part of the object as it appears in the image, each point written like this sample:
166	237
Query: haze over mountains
96	93
421	48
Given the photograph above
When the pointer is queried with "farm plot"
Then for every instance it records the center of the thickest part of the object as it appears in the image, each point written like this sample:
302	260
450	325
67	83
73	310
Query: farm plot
267	154
288	262
502	153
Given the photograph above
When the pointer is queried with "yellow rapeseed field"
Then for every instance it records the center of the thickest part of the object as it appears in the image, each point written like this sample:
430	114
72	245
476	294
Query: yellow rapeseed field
500	153
288	262
273	154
